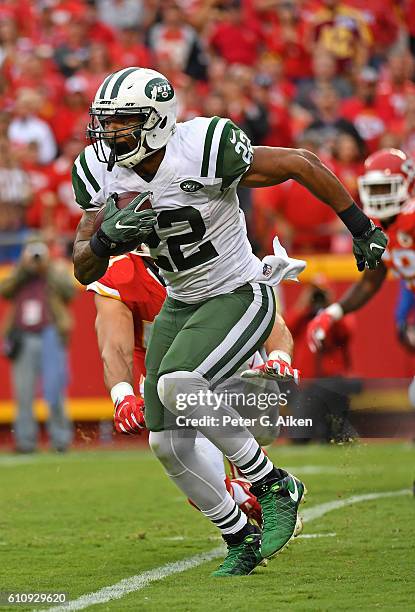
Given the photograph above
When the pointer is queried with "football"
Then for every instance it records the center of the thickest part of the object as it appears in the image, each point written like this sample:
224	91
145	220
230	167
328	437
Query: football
124	199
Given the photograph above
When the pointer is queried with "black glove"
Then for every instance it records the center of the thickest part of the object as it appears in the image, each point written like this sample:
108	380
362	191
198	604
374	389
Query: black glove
369	248
122	230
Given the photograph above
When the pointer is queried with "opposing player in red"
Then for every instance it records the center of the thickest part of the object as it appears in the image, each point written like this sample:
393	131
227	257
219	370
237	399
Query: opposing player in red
128	298
386	190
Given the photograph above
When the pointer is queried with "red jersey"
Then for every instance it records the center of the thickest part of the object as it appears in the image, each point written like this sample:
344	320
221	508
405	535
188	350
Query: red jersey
134	280
400	253
370	121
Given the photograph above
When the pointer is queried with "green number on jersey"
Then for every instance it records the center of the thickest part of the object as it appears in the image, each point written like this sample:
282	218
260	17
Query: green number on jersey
206	251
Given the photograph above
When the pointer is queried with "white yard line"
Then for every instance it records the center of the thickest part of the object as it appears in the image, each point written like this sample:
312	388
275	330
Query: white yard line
138	582
317	535
310	514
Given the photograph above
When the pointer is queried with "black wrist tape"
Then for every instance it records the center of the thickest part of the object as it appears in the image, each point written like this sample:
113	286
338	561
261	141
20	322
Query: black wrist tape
101	245
355	220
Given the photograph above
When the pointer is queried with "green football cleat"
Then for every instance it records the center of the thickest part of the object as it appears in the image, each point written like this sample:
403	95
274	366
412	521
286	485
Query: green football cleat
242	558
279	501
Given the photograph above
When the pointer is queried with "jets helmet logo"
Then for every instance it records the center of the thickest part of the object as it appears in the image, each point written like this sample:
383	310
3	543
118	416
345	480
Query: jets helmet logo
190	186
159	90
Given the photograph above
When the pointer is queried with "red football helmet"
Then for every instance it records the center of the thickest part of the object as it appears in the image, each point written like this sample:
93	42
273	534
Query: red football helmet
387	183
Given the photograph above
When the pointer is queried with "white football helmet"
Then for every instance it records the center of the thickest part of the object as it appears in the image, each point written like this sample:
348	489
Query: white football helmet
387	183
136	92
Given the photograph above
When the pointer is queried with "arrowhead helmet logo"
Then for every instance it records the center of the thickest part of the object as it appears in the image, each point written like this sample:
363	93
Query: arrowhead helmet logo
190	186
404	239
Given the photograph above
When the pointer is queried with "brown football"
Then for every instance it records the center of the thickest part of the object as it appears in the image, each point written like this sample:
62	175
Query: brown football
124	200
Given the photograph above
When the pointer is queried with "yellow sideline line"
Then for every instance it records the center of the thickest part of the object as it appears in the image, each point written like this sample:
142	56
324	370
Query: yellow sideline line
79	409
101	408
334	267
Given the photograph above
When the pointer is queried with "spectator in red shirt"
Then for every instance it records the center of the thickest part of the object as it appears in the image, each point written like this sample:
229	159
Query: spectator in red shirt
309	229
71	116
47	34
9	42
404	129
129	50
287	39
382	19
23	12
40	183
396	84
365	110
96	66
348	162
234	38
63	212
52	207
98	31
35	72
271	68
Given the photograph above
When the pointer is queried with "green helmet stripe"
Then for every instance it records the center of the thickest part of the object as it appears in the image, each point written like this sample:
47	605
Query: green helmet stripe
117	84
221	150
208	146
88	173
105	85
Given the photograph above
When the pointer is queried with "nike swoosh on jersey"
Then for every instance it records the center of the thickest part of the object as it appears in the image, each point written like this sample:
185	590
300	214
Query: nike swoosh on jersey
373	245
294	496
119	225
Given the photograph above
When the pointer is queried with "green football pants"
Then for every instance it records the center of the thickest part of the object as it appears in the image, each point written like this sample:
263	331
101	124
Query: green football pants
213	338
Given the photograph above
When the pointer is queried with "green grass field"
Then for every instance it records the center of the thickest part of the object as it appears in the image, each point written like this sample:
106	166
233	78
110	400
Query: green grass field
86	520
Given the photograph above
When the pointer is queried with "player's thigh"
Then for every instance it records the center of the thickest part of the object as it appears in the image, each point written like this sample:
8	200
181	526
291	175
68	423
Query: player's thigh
222	333
163	333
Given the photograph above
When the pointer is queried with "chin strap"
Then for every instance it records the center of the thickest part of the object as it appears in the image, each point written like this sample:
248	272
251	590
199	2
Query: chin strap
111	160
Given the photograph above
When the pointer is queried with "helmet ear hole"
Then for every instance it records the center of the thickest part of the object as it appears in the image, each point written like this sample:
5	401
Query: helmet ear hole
163	123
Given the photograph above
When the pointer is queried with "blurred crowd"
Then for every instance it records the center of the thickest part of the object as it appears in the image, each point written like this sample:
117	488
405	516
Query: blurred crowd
333	76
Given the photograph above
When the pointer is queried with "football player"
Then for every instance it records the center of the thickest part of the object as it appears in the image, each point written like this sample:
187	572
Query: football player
385	190
127	299
220	307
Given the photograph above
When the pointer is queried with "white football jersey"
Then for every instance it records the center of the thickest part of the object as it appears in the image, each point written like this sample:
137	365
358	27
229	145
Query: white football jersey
199	241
